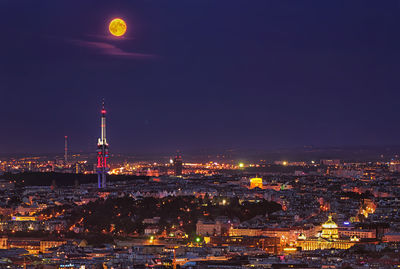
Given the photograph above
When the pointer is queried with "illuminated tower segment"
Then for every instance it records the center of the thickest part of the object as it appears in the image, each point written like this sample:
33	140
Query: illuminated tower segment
102	152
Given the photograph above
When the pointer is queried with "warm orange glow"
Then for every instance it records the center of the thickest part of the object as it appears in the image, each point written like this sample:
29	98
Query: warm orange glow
117	27
256	182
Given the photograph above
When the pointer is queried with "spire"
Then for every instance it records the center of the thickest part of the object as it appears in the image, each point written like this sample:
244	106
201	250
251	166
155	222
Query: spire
103	107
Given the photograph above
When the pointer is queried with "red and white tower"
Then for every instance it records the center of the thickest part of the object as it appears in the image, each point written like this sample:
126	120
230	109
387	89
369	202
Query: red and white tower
102	152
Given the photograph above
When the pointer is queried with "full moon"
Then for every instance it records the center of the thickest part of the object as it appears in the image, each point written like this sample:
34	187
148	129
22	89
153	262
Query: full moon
117	27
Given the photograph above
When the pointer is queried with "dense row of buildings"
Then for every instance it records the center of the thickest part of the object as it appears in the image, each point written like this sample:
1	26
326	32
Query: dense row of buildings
327	211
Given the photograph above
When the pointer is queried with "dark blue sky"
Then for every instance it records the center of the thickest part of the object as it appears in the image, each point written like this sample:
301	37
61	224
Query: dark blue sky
196	74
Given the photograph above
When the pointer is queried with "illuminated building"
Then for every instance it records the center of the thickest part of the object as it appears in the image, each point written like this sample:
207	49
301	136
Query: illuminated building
391	237
334	162
178	165
302	236
220	226
394	166
328	238
102	152
32	245
285	235
24	218
245	232
330	229
359	233
256	182
46	245
3	243
268	244
368	207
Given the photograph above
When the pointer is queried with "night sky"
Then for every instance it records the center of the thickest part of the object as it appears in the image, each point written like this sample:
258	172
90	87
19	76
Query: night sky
195	74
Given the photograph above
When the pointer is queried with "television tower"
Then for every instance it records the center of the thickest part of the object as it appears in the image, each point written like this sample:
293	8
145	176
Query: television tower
102	152
66	150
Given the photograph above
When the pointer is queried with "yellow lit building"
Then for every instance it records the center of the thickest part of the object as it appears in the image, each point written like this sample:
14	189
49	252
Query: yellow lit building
327	239
245	232
256	182
32	245
24	218
330	229
3	243
46	245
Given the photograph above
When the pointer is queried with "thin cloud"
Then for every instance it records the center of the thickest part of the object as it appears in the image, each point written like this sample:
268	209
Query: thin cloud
109	37
109	49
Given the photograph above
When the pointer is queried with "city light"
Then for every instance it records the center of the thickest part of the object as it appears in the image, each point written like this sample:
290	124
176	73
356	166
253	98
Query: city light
206	135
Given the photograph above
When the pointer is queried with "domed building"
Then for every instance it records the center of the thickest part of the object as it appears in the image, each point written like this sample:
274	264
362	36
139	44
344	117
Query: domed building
301	236
326	239
330	229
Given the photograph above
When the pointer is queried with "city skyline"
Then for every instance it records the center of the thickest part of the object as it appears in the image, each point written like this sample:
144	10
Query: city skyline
260	76
199	134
